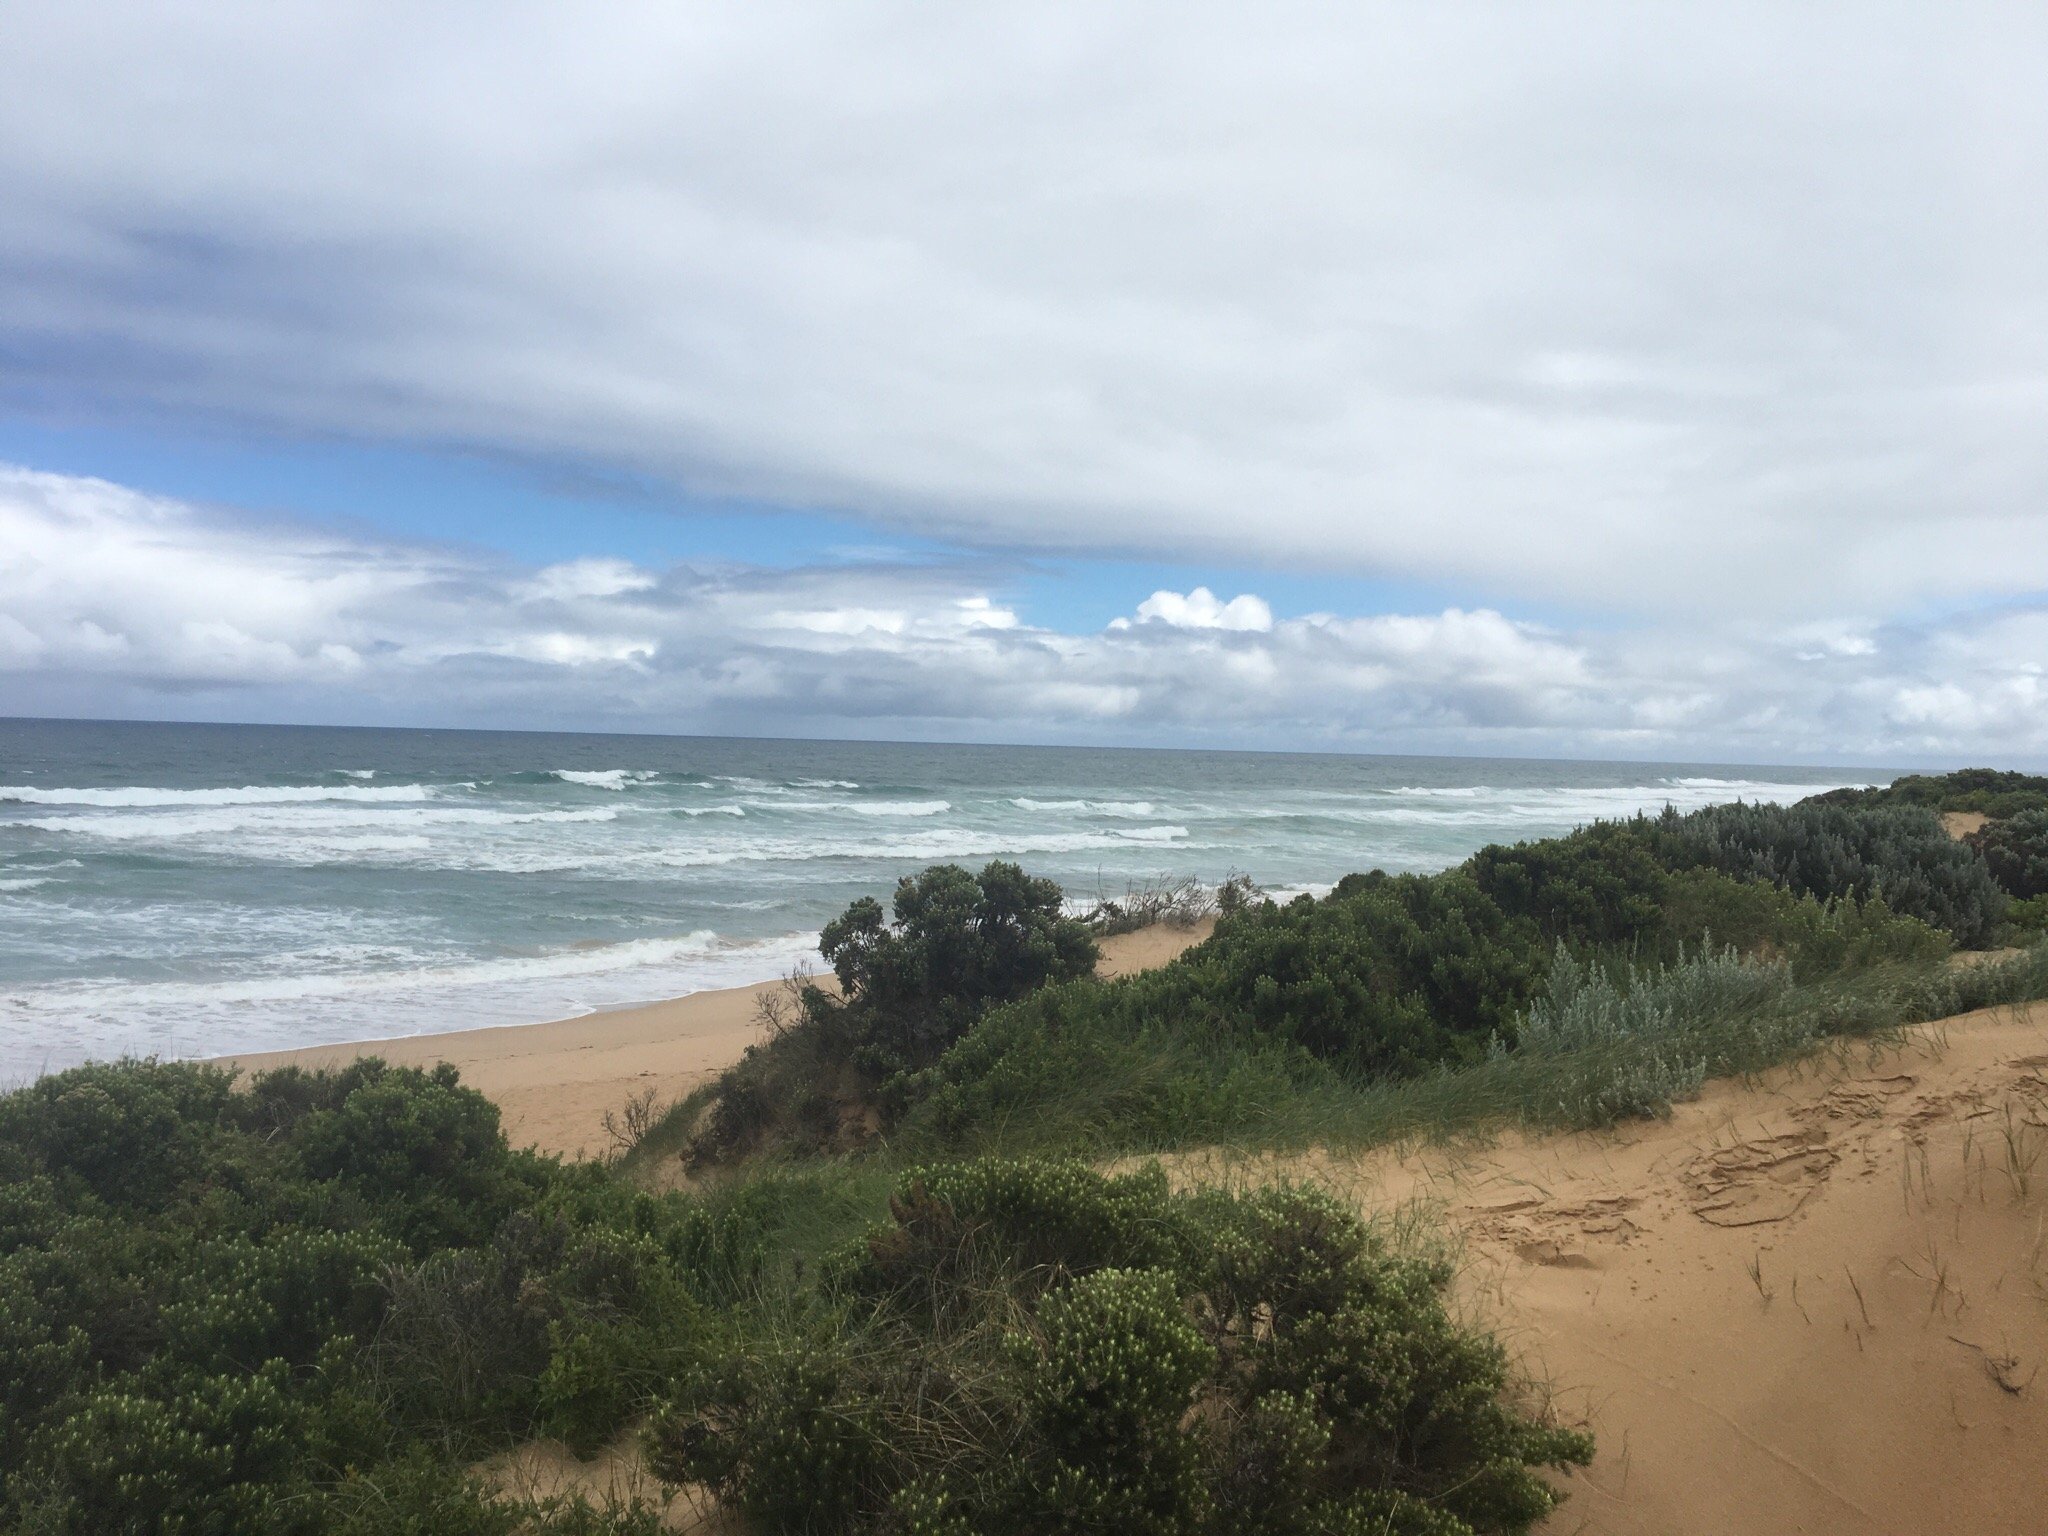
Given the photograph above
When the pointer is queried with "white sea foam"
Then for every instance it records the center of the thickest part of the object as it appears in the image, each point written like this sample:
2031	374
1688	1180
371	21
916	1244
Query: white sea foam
66	1022
606	778
1088	807
140	797
591	960
406	928
938	844
297	820
859	807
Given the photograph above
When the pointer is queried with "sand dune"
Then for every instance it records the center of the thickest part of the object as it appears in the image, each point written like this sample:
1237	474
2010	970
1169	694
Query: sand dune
1816	1303
554	1082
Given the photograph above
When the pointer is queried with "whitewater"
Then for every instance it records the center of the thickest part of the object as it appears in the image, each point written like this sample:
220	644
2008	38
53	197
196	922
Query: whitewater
187	890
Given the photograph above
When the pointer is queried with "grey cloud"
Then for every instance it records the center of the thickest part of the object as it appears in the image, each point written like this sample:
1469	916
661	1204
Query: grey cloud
1653	309
112	602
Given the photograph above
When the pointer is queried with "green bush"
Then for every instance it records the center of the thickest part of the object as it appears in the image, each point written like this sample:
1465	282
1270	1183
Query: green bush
960	944
1066	1351
1986	791
1600	885
1900	854
2016	851
315	1275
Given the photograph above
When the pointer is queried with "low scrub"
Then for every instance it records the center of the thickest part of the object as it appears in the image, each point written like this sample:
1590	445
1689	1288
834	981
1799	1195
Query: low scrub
1990	792
958	944
250	1308
2015	850
1029	1346
1898	854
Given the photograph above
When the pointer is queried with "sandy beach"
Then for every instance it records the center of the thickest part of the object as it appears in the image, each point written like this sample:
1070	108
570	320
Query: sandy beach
553	1082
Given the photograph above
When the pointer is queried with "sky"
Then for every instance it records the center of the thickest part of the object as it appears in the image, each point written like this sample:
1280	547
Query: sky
1635	380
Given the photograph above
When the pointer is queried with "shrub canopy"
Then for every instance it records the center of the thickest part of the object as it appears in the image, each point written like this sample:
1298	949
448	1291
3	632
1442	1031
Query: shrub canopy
1029	1346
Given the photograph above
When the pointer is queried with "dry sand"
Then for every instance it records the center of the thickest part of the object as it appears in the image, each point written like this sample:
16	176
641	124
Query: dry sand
1960	824
554	1082
1816	1303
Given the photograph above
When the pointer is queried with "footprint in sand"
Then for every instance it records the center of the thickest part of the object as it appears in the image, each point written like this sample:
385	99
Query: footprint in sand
1759	1181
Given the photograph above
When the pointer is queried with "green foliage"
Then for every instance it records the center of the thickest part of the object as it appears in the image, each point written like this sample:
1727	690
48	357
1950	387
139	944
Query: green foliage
2016	851
1833	852
1988	791
2028	919
1031	1346
1600	885
960	944
1818	937
1387	975
224	1310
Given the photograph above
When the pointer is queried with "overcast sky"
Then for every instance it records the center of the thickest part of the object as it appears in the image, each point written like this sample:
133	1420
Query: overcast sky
1611	380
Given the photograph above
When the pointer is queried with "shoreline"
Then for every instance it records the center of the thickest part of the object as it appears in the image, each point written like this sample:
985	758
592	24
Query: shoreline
553	1081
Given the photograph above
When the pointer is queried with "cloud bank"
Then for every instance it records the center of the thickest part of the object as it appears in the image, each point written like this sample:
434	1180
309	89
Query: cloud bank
112	602
1641	309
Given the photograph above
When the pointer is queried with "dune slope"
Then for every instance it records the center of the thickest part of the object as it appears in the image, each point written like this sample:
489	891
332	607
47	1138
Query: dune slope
1814	1303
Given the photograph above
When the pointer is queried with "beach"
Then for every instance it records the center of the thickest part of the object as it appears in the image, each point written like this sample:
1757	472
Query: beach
179	891
554	1082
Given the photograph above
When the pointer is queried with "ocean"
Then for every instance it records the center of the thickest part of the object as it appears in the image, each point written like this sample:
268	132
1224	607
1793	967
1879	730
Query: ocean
188	890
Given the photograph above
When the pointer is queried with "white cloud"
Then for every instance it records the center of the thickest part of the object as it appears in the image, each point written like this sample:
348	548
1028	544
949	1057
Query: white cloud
1673	310
117	603
1202	609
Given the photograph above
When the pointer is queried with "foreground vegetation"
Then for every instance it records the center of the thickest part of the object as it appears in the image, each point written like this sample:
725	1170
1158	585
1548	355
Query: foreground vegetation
894	1301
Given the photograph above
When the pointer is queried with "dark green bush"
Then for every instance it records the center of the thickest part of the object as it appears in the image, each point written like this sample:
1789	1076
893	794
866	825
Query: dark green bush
2016	851
221	1310
1832	852
1387	975
1030	1346
1600	885
960	944
1988	791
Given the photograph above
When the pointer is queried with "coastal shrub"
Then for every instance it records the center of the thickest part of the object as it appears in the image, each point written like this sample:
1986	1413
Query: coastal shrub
1833	852
1586	1006
1607	886
1635	1040
1386	975
959	944
1033	1346
1600	885
1817	937
317	1276
2016	851
2028	919
1990	792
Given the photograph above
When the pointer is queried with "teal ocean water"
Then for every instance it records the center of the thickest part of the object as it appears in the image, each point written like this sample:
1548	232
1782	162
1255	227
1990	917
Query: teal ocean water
186	890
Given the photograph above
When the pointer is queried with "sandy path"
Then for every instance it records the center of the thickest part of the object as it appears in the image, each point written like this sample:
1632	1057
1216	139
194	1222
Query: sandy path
1811	1304
554	1082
